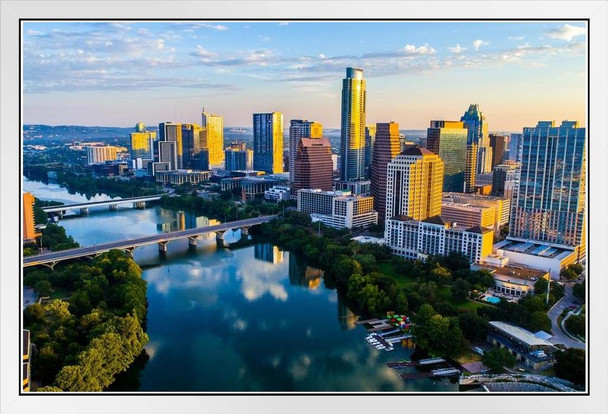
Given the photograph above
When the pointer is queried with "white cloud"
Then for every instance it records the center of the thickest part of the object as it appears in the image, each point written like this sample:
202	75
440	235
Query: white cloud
264	38
478	43
516	38
421	50
217	27
160	44
457	48
284	24
566	32
202	52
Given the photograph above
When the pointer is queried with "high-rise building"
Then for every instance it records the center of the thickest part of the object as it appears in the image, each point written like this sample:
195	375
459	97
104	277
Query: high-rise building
515	141
168	131
193	143
386	147
505	179
142	142
313	165
300	128
352	141
475	122
98	155
213	128
167	152
550	203
238	157
462	208
413	184
29	231
448	139
370	137
498	144
268	142
470	169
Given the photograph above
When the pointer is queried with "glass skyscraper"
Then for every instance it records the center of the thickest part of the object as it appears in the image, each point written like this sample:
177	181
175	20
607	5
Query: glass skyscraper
352	143
268	142
448	139
550	203
477	127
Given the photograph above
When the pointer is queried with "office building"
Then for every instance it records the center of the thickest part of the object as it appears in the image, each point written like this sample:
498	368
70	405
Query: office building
352	139
549	206
238	157
370	137
154	167
470	169
170	132
179	177
96	155
142	142
468	215
338	209
499	206
386	147
213	131
448	139
268	142
515	146
167	152
300	128
193	142
416	240
505	179
277	193
29	231
498	144
413	184
313	165
475	123
536	255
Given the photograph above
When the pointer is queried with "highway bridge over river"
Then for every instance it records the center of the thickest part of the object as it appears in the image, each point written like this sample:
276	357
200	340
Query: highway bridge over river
162	239
138	202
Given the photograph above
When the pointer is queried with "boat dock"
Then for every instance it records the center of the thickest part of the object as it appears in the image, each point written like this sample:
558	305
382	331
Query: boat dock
399	338
422	362
382	342
443	372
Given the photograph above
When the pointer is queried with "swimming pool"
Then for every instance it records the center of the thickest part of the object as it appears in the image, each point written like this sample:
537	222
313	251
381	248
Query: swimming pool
492	299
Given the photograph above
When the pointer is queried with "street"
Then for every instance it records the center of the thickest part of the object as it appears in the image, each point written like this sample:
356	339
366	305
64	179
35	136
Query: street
564	303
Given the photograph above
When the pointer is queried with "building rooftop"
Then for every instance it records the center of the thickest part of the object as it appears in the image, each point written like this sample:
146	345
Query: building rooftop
417	150
534	248
435	220
520	334
402	217
516	271
479	229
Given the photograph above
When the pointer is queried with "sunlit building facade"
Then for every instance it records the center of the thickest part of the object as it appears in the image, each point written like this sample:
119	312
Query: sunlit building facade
475	122
171	132
98	155
142	142
29	231
300	128
268	142
352	142
213	131
448	139
313	165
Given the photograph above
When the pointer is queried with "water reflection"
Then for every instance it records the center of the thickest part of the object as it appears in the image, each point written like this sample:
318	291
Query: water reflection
301	274
268	253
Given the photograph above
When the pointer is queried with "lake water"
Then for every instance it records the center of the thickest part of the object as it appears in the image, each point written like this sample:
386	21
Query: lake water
248	319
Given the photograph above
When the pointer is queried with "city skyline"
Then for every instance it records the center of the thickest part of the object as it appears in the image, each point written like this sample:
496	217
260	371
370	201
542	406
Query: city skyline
115	74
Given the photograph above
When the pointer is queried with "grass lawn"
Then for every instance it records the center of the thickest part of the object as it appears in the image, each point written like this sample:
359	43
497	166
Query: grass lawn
468	356
388	269
446	295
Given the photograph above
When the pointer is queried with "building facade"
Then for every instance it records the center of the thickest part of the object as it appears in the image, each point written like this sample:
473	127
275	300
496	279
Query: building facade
277	193
238	157
142	142
370	137
181	176
413	184
470	169
386	147
268	142
213	129
338	209
498	144
550	203
416	240
448	139
171	132
352	139
193	143
312	165
97	155
475	122
300	128
29	231
167	153
492	212
505	180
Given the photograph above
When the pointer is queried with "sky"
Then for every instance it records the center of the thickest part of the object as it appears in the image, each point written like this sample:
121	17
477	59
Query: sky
119	73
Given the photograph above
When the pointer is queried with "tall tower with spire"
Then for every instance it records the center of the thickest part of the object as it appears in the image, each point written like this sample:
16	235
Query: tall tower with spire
475	122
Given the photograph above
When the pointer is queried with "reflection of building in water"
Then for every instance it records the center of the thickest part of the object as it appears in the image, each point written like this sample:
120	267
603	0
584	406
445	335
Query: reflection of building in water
302	275
346	317
268	253
181	220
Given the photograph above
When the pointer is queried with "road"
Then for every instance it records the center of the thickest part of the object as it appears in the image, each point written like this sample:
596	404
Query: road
564	303
63	207
140	241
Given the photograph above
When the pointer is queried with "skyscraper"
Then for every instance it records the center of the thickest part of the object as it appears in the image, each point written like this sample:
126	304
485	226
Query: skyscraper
498	144
313	165
352	143
470	169
300	128
142	142
477	127
268	142
98	155
386	147
550	204
238	157
370	137
515	141
505	179
448	139
168	131
167	153
193	144
213	128
413	184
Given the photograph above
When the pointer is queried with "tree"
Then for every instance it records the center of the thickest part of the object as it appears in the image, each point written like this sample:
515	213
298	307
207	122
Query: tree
43	288
497	358
460	290
540	286
473	326
440	274
48	388
570	365
539	321
576	268
568	274
578	290
576	324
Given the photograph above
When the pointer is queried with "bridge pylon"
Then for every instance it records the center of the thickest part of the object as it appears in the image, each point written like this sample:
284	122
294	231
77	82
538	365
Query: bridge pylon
162	246
192	241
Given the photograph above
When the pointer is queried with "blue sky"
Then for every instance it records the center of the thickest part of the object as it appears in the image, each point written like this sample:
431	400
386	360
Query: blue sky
116	74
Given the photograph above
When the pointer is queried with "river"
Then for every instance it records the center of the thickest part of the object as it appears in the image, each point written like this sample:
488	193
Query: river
247	319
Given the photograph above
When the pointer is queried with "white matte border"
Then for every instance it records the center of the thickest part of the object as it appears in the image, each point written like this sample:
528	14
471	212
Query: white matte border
11	11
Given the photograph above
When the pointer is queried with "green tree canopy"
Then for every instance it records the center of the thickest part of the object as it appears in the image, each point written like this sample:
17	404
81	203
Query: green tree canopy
497	358
570	365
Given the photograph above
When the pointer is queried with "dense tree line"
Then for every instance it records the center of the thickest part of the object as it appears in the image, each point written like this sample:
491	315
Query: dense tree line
84	341
54	238
570	365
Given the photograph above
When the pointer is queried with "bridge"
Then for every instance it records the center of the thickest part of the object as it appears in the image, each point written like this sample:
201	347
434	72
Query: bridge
162	239
138	202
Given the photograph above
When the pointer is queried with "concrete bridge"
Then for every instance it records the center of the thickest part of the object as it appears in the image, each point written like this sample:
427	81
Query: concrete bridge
162	239
138	202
